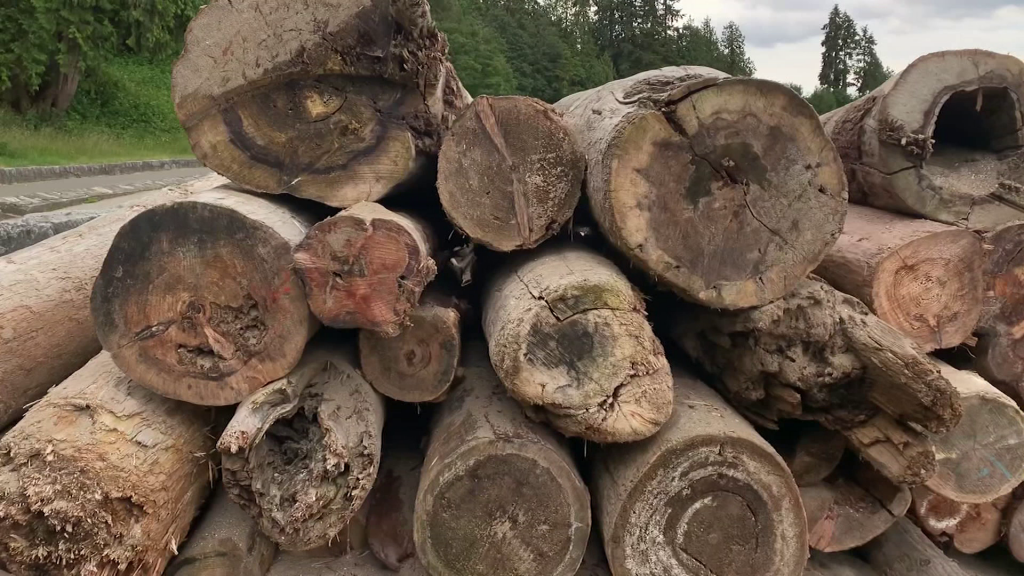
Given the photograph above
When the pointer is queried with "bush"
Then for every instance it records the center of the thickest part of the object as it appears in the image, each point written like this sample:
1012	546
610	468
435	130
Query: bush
127	95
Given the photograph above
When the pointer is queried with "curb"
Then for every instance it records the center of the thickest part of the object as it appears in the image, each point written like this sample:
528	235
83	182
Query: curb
40	173
47	201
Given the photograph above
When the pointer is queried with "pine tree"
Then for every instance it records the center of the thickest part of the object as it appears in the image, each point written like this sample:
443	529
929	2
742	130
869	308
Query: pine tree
840	46
699	45
734	52
870	73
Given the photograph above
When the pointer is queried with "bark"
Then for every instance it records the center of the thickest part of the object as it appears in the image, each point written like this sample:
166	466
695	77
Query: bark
510	173
850	512
499	494
904	550
725	190
336	101
101	477
695	498
568	334
46	330
197	300
999	355
969	528
941	140
392	504
922	277
814	455
301	454
366	268
821	564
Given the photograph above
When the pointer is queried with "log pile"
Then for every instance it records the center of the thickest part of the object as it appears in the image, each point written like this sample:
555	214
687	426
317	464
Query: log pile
384	348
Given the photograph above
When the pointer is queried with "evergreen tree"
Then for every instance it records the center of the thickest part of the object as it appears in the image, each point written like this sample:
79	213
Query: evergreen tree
734	52
840	46
870	73
795	88
699	45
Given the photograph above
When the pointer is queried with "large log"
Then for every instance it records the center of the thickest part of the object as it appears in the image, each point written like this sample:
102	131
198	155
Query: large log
904	550
301	454
499	494
847	512
103	476
197	299
568	333
969	528
922	277
935	140
999	355
46	330
509	174
726	190
336	101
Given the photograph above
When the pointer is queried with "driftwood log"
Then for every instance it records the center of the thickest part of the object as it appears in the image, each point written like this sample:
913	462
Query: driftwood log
725	189
336	101
904	550
969	528
999	355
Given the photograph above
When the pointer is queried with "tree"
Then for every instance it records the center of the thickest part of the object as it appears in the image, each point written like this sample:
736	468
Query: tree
795	88
826	100
699	45
869	73
734	51
840	46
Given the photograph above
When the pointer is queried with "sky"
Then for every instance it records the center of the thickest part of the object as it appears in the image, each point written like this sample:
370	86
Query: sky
784	36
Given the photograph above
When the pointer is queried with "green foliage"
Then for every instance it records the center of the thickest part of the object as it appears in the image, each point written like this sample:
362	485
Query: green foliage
795	88
734	52
826	100
839	46
869	73
127	94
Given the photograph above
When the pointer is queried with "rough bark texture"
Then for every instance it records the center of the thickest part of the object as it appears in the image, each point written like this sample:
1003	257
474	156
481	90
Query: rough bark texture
1000	350
226	542
726	190
499	494
706	494
301	454
850	512
568	334
904	550
922	277
28	230
366	268
46	330
197	299
336	101
509	173
101	477
942	139
392	504
821	564
969	528
815	454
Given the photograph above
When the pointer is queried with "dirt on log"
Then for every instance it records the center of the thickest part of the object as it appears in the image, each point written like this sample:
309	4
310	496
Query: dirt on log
999	355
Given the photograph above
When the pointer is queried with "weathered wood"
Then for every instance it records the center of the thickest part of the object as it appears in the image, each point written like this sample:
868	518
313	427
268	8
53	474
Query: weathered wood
336	101
814	455
301	454
568	334
1015	526
821	564
922	277
509	174
937	140
695	498
992	563
725	189
902	454
197	301
225	542
850	512
999	355
904	550
970	528
103	476
32	229
366	268
392	503
499	494
46	329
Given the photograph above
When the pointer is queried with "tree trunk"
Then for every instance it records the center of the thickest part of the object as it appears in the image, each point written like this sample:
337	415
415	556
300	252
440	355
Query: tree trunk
568	334
904	550
335	101
103	476
937	140
999	355
366	268
814	455
726	190
226	542
922	277
971	528
392	504
499	494
301	454
851	512
982	458
1015	526
46	330
706	494
197	300
509	173
821	564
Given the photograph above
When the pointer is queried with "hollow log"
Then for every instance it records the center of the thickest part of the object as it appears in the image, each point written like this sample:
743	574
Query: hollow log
941	140
725	190
499	493
225	542
301	454
999	355
850	512
923	278
389	524
695	497
366	268
969	528
509	174
335	101
101	475
904	550
821	564
814	455
1015	526
568	334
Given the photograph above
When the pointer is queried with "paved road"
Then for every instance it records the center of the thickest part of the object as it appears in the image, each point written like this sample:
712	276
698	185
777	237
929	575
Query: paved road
56	186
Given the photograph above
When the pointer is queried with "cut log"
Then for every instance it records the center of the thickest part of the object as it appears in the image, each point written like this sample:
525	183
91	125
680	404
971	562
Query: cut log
197	300
301	454
855	513
970	528
939	139
726	190
226	542
695	497
34	228
1015	526
814	455
922	277
999	355
392	504
904	550
568	334
46	330
499	494
821	564
509	173
983	457
336	101
103	476
366	268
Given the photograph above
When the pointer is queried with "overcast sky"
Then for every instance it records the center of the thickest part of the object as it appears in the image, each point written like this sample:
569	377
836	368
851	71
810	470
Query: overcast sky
784	36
